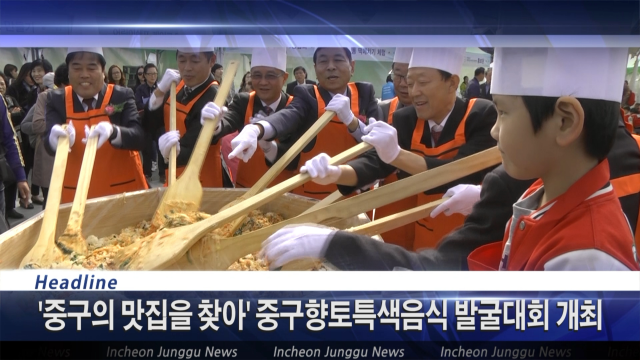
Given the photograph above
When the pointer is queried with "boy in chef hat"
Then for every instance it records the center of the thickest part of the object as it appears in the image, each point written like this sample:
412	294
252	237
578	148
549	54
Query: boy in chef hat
558	130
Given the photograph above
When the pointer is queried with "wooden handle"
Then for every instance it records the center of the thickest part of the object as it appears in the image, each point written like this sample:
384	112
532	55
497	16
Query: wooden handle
396	220
194	166
45	245
172	127
299	145
167	246
251	242
281	164
333	197
84	181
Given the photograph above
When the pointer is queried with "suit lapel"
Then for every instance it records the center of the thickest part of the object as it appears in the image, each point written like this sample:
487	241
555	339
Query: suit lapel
283	101
101	96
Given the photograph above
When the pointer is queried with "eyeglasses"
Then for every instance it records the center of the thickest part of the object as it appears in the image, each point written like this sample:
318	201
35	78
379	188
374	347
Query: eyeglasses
399	78
151	74
268	77
140	73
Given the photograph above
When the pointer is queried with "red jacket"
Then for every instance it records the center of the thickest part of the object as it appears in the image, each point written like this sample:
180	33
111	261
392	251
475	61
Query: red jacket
587	216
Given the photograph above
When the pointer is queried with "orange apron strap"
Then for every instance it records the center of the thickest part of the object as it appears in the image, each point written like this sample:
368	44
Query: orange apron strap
392	108
355	109
321	103
68	95
289	100
447	150
486	257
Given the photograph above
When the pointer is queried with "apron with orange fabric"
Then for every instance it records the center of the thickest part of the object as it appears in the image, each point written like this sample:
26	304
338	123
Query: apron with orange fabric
250	172
211	174
332	140
427	232
116	171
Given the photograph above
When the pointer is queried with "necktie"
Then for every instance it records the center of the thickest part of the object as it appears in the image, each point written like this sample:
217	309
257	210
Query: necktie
89	103
268	110
436	130
187	92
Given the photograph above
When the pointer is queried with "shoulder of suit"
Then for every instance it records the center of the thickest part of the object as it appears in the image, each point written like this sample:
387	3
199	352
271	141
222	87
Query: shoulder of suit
407	112
385	102
58	93
363	85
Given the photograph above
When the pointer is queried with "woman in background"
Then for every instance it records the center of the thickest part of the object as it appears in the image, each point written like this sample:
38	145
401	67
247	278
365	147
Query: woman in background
245	85
11	73
115	76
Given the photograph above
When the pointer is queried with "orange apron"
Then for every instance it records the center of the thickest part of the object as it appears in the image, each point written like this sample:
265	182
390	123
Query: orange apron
211	175
427	232
250	172
393	105
332	140
116	171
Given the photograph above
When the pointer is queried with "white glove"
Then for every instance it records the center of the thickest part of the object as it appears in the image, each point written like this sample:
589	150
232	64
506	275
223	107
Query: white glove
245	144
57	131
296	242
103	131
342	106
167	141
384	138
170	76
463	197
264	144
320	171
211	111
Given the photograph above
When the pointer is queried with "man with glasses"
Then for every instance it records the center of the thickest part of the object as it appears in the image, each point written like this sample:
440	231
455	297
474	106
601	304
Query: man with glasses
353	102
195	91
268	76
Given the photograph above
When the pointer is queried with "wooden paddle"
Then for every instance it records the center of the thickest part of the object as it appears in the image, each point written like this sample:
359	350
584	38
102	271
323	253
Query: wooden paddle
396	220
166	246
45	251
172	127
333	197
280	165
72	241
186	193
207	255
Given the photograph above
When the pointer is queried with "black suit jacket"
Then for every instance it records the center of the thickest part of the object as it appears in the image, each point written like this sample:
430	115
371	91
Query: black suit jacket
154	119
481	119
296	118
294	83
485	224
127	120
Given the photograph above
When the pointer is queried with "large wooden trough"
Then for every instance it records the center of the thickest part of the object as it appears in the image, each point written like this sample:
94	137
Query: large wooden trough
108	215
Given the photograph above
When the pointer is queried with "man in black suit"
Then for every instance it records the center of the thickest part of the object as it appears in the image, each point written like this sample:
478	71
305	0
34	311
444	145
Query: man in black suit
196	90
334	68
268	75
88	101
300	73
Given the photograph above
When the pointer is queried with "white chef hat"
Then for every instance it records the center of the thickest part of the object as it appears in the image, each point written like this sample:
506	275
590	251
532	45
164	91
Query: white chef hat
588	73
445	59
196	49
275	57
95	50
402	55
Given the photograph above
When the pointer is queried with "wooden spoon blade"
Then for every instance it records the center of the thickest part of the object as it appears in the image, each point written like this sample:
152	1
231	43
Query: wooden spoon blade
160	254
186	192
72	240
44	252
